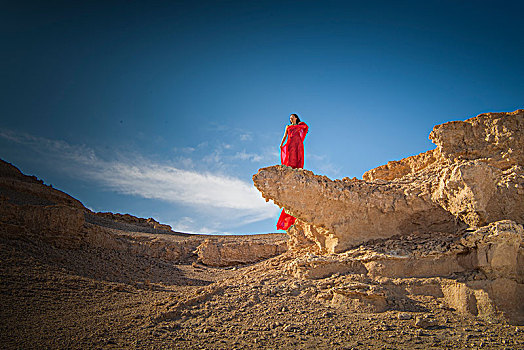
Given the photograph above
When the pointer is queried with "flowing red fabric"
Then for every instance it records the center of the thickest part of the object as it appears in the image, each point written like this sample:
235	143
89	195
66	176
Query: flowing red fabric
292	154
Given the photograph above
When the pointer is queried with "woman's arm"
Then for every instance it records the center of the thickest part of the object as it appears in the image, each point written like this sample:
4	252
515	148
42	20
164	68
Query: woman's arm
284	138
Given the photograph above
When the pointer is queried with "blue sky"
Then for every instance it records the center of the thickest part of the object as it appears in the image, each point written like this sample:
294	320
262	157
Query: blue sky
166	109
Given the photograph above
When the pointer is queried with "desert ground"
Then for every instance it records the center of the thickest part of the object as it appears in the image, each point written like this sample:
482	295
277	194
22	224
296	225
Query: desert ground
105	298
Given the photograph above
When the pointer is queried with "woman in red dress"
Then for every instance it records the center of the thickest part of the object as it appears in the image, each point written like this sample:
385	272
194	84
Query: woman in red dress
292	154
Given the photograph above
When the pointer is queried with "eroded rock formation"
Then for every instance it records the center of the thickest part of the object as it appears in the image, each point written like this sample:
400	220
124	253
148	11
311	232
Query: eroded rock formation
473	177
345	213
133	220
29	190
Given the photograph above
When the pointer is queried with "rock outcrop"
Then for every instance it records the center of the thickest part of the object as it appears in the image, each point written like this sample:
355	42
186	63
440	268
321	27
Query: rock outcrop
475	176
345	213
496	138
58	224
29	190
445	224
223	252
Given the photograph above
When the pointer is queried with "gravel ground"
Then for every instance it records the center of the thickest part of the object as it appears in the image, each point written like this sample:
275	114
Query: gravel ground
98	298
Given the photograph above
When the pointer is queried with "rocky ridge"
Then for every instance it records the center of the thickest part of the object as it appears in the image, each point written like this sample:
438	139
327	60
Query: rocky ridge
475	176
448	220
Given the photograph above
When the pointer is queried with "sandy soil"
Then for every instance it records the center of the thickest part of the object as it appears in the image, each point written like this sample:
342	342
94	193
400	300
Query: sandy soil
101	298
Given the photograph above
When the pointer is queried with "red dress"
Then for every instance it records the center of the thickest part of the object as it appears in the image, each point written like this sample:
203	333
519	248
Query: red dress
292	154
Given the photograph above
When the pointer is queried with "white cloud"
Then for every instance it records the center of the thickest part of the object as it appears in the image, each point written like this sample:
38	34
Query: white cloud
231	200
52	148
183	224
185	162
214	157
164	182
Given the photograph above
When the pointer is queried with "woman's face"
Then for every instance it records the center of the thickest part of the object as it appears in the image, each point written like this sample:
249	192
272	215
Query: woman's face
293	119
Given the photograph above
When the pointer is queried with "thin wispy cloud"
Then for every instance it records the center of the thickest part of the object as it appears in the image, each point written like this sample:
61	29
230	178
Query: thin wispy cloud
243	155
320	164
219	195
246	137
51	148
184	149
223	156
170	184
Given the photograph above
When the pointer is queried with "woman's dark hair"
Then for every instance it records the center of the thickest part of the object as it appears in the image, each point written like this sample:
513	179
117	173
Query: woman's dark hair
296	116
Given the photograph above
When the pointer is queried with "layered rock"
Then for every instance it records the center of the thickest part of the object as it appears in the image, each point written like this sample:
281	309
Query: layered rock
472	178
223	252
496	138
397	168
59	225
